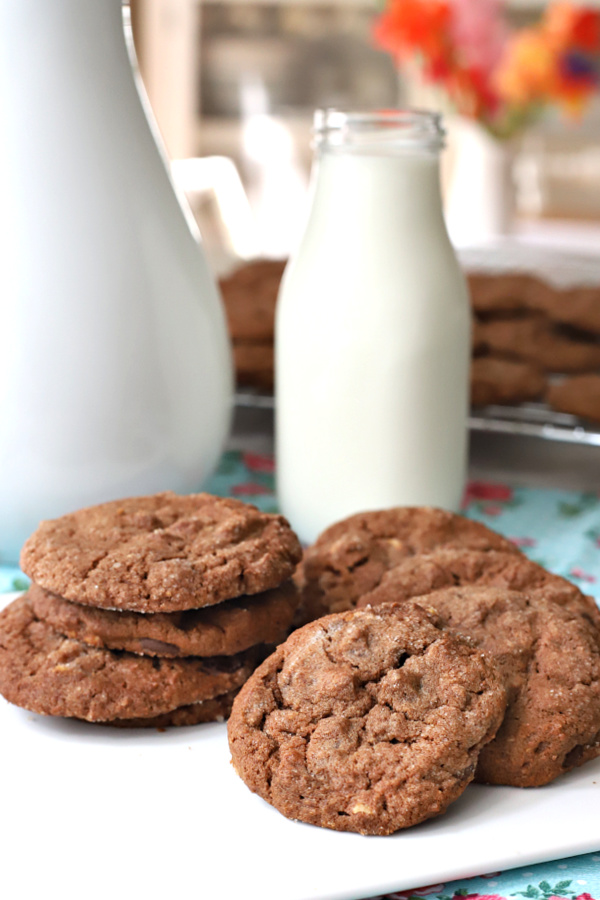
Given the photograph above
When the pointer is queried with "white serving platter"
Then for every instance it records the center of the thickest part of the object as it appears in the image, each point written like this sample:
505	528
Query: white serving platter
92	812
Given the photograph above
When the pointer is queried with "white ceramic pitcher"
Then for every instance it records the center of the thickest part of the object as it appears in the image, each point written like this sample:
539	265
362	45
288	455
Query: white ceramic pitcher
115	367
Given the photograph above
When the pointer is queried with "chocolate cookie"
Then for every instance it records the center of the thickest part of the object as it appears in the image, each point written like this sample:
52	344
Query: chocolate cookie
250	295
477	342
223	629
441	568
215	710
534	339
577	307
351	557
579	396
549	657
504	381
368	721
254	365
506	292
163	553
47	673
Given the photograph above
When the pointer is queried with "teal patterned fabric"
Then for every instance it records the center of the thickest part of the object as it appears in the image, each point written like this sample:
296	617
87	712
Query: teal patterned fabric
576	878
560	530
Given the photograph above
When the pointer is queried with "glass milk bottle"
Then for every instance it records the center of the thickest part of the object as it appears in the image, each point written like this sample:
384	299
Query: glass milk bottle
372	332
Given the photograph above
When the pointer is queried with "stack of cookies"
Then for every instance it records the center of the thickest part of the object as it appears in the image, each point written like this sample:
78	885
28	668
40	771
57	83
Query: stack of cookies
148	611
440	655
533	341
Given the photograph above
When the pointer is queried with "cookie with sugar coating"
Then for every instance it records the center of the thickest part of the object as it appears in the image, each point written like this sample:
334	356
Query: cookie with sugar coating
370	720
162	553
352	556
549	656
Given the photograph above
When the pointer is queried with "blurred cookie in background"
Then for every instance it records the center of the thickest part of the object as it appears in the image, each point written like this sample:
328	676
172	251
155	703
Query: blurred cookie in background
250	296
578	395
578	307
534	339
254	365
504	381
495	293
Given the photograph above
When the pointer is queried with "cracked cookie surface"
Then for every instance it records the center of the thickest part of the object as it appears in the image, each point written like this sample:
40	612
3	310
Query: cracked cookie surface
351	557
549	656
442	568
223	629
162	553
47	673
367	721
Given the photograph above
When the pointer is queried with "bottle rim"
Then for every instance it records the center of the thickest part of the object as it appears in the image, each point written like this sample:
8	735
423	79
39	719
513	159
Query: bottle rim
389	129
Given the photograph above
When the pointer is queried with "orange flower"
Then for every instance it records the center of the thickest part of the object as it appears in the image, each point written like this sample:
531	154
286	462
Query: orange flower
506	81
572	27
407	26
528	68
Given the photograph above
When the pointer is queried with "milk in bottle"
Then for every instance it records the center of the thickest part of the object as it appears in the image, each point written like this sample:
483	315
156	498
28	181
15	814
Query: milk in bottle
372	332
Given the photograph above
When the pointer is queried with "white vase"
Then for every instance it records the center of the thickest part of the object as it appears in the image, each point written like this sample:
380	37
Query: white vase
480	192
115	368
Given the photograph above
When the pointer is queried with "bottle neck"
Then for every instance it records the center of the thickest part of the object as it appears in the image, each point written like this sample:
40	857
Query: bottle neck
378	185
378	164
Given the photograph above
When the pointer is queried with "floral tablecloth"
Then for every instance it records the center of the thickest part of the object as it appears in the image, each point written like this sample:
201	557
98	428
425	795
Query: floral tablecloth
560	530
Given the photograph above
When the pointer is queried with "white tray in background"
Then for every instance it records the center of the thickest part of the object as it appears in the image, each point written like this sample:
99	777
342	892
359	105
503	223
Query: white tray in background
92	812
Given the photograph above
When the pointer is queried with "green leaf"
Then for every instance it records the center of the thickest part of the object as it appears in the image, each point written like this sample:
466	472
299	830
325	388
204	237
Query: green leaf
20	584
561	886
541	562
569	510
586	501
545	887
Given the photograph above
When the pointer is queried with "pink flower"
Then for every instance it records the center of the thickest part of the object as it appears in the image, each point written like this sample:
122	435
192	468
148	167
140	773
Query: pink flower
479	31
491	510
485	490
523	542
483	897
250	488
584	897
258	462
583	576
418	892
